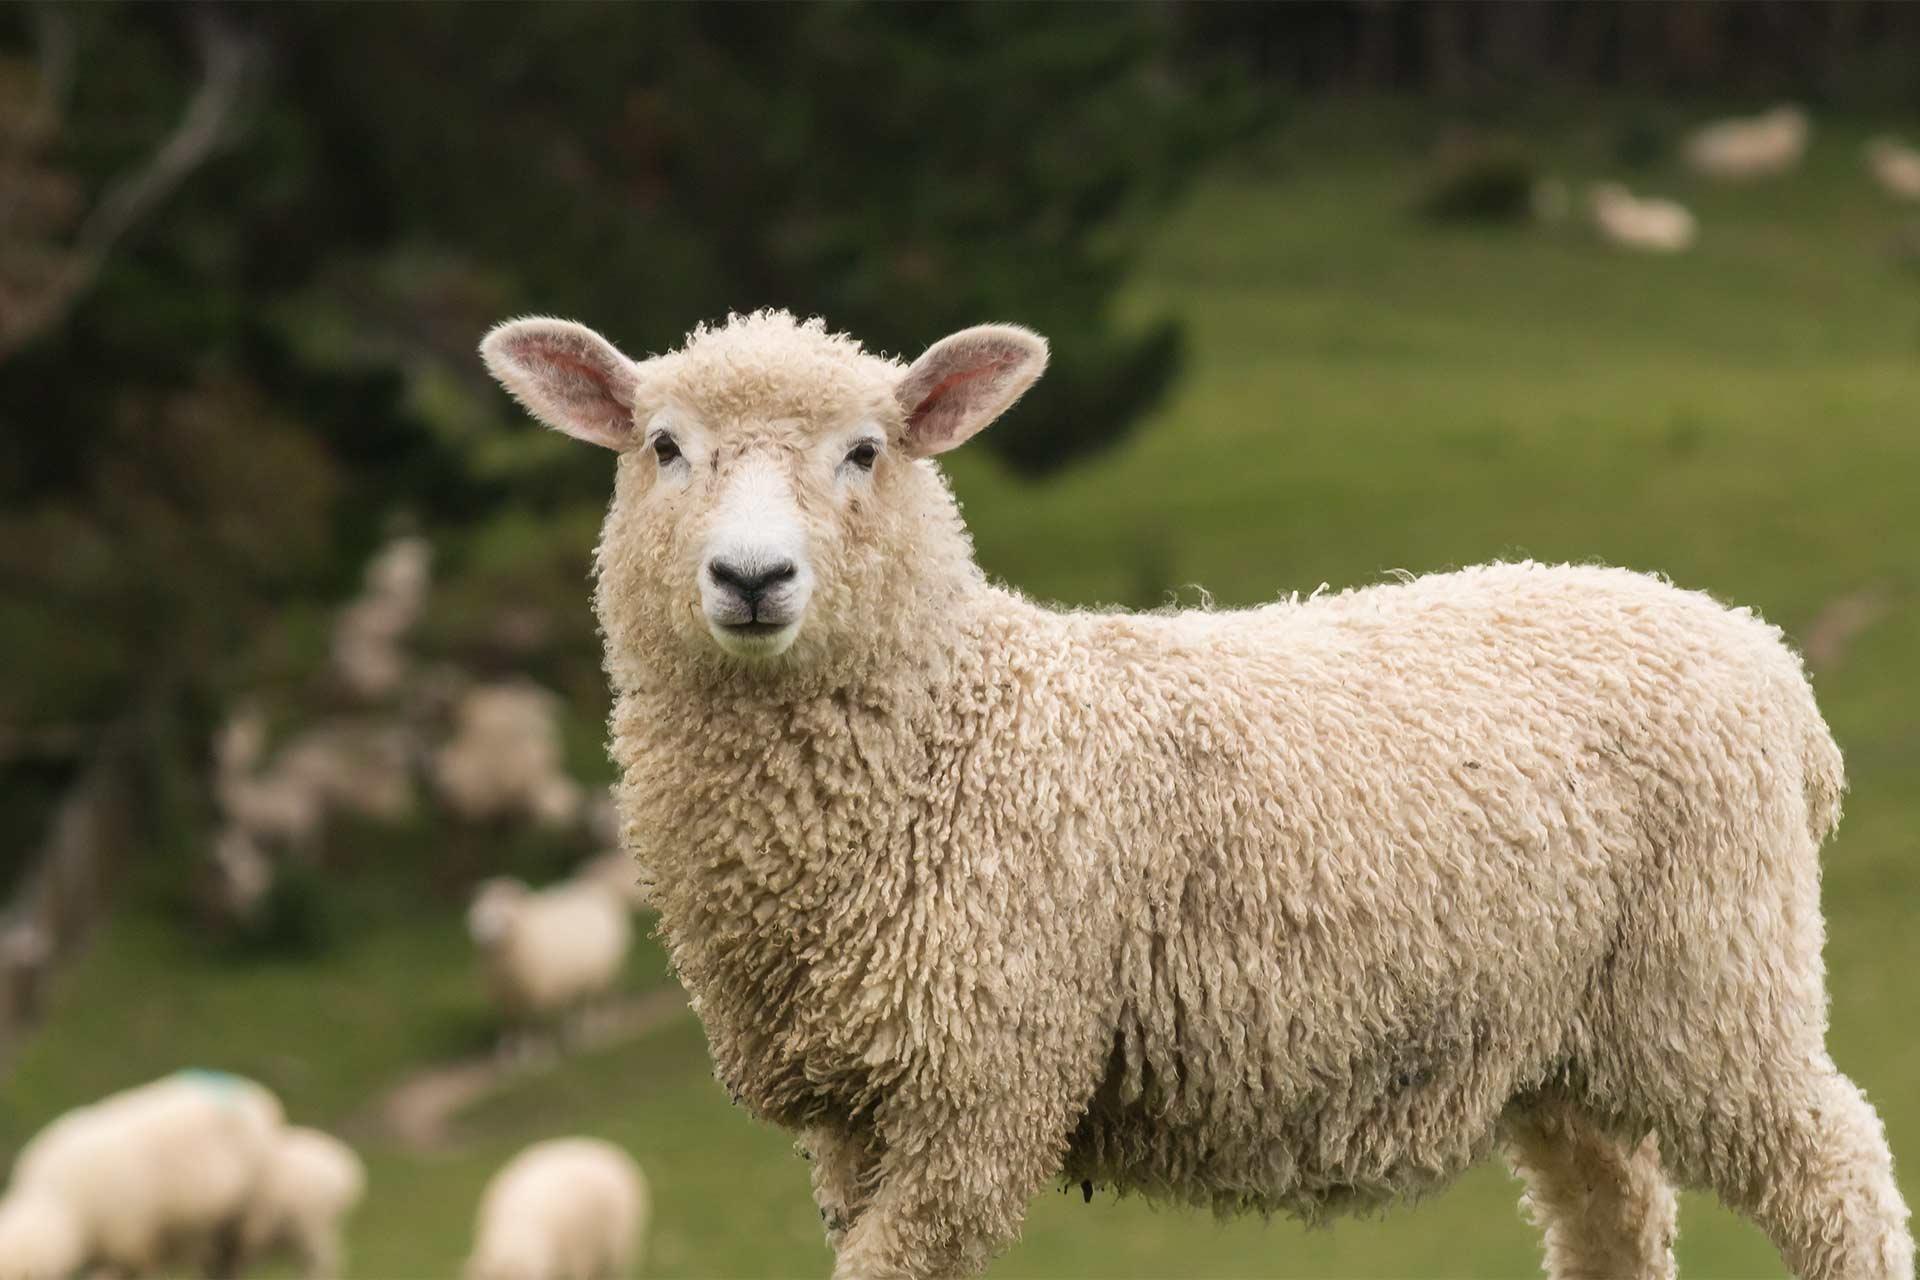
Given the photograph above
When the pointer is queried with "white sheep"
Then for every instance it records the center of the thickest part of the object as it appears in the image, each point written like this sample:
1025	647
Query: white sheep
505	760
311	1182
1305	907
1761	146
367	653
563	1209
1895	166
550	952
1637	222
146	1178
355	766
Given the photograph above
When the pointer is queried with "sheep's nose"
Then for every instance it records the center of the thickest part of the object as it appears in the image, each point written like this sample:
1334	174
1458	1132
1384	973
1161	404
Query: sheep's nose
750	583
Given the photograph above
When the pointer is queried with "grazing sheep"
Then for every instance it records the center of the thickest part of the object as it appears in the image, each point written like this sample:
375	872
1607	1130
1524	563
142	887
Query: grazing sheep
312	1181
564	1209
504	759
1636	222
143	1179
1895	166
1761	146
366	639
549	952
1306	907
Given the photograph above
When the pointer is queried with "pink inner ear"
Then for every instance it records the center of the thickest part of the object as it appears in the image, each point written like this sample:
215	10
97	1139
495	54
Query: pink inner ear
592	399
944	408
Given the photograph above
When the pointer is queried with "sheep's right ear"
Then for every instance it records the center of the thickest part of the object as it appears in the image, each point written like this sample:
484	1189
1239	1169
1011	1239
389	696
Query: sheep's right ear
567	376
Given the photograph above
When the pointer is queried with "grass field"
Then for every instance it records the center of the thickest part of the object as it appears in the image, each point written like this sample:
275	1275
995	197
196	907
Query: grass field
1367	392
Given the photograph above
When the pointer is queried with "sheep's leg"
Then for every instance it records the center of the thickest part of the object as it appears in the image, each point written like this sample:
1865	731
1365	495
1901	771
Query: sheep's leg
1809	1164
845	1169
320	1252
953	1187
1605	1208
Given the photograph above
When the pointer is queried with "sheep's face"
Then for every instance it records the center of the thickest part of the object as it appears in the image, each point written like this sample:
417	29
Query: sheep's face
772	488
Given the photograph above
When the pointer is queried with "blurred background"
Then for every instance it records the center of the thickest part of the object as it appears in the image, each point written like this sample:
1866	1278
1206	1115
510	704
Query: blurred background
295	647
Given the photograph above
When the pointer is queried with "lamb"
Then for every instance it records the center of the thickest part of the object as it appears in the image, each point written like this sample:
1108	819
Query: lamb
563	1209
548	952
1761	146
1306	907
311	1182
504	759
1636	222
1895	166
143	1179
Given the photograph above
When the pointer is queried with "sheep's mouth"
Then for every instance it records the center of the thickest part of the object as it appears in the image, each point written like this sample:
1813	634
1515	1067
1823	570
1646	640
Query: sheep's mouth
755	637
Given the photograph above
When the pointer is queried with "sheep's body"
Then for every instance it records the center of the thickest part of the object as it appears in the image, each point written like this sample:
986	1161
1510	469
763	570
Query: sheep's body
153	1175
1649	224
311	1182
1895	166
1303	907
548	951
504	759
563	1209
1742	149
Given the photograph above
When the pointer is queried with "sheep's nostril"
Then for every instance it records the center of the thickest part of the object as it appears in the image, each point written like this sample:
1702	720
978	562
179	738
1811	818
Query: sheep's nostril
751	582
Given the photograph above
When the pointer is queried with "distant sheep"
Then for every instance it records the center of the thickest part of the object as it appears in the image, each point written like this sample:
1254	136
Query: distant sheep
549	952
312	1181
1895	166
1634	222
367	653
362	767
564	1209
1306	907
145	1179
1761	146
504	759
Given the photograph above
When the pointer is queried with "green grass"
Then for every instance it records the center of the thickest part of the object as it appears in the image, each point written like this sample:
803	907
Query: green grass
1367	392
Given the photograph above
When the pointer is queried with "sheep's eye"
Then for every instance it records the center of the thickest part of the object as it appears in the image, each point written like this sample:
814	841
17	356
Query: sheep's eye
665	449
863	454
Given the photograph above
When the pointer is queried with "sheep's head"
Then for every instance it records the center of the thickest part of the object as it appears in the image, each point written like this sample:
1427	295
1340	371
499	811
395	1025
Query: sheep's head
495	906
773	479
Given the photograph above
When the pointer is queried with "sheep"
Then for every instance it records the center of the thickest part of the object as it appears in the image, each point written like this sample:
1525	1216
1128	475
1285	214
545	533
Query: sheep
1304	908
504	758
312	1181
1761	146
549	952
142	1179
1895	166
1638	222
366	638
357	766
563	1209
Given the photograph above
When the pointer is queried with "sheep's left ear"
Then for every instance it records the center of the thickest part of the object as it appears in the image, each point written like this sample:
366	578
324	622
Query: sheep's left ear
965	381
567	376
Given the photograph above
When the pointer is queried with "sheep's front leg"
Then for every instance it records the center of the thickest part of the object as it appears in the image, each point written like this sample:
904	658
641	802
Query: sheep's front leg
953	1188
846	1167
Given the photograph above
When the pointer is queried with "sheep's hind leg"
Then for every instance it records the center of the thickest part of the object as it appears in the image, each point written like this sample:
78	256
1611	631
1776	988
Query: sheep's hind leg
1604	1206
1809	1164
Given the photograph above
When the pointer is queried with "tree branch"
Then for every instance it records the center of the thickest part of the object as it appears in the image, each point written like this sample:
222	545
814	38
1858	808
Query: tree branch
225	57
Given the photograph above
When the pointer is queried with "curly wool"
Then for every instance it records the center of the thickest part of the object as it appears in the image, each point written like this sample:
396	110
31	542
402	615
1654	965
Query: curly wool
1301	908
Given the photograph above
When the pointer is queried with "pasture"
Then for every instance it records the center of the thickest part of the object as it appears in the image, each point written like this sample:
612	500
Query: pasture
1366	392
